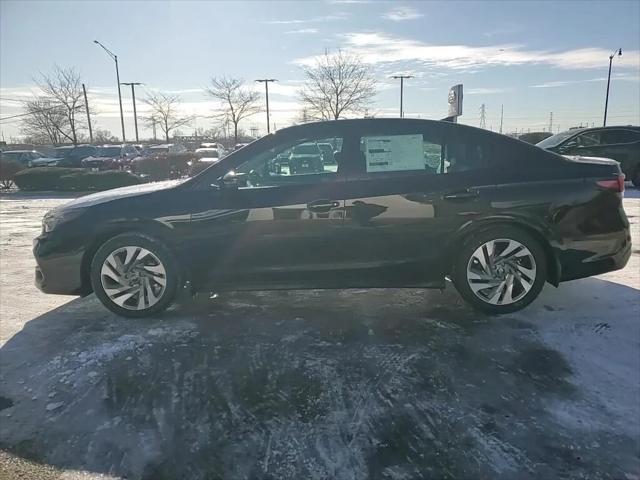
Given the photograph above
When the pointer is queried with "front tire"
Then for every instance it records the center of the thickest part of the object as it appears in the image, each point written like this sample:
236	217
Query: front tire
500	270
134	275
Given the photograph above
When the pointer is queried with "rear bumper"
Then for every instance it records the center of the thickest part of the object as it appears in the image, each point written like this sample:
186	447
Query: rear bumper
614	252
57	273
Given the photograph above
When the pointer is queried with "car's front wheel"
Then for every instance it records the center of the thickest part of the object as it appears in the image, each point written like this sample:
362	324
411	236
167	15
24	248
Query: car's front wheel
134	275
500	270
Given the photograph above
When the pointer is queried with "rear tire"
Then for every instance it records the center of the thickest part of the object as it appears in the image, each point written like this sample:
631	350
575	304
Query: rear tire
135	275
500	270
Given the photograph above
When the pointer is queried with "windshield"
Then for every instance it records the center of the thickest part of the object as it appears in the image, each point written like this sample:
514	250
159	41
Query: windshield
557	139
108	152
308	149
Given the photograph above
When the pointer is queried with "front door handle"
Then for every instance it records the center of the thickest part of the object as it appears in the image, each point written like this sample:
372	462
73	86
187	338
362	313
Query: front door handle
322	205
461	194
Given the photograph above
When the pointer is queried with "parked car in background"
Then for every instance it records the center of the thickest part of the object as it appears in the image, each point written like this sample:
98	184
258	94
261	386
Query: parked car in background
110	157
306	158
67	156
23	157
498	216
208	155
163	149
619	143
327	153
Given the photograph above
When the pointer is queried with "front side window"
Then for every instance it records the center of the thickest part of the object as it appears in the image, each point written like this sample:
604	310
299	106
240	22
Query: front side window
299	161
588	139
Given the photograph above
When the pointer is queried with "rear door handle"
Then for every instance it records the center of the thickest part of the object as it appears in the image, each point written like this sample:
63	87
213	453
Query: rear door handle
462	194
322	205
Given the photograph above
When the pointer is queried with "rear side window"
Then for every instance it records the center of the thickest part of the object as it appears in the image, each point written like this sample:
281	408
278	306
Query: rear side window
610	137
423	152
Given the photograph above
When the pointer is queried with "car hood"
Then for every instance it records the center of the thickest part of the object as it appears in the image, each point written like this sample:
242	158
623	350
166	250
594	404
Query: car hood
119	193
45	160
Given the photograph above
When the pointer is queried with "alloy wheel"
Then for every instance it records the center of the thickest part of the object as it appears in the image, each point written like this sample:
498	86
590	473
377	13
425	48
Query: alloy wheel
501	271
133	278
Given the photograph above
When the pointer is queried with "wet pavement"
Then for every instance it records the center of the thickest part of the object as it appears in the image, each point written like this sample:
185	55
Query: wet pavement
355	384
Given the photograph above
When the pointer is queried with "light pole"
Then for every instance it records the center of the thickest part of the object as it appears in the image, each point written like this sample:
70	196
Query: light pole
606	101
133	96
115	59
266	89
401	77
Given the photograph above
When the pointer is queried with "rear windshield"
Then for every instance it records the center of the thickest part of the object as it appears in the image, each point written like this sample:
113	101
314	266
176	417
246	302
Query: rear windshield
306	150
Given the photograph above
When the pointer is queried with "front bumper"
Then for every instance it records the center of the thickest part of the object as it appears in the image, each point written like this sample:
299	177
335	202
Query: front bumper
56	273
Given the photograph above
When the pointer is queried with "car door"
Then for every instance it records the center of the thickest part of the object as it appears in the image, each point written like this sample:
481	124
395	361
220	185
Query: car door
416	185
269	226
622	145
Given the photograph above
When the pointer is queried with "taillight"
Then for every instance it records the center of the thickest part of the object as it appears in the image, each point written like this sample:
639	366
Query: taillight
616	185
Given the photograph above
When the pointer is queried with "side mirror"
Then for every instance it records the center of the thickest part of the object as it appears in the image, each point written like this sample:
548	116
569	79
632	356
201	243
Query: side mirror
233	180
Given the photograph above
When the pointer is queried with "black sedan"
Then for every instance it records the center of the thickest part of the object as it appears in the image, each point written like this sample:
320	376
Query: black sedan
410	203
619	143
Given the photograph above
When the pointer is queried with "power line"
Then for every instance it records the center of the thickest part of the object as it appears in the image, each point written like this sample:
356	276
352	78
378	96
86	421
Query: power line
36	111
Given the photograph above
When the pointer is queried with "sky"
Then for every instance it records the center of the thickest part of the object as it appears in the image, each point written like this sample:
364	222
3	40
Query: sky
531	58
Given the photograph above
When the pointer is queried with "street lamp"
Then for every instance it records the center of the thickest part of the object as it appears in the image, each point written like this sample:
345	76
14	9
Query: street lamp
115	59
266	89
606	102
133	96
401	77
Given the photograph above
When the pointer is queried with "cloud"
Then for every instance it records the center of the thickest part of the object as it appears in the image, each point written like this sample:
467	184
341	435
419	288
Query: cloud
380	48
484	91
564	83
348	2
400	14
323	18
303	30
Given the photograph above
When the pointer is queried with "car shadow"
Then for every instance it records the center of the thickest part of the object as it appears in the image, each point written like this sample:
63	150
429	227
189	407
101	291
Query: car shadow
316	384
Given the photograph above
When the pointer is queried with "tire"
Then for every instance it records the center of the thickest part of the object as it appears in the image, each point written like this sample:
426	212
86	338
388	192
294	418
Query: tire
132	265
524	268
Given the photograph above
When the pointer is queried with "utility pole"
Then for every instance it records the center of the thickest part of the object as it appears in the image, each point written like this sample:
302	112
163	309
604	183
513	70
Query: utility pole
401	77
551	122
86	107
266	91
501	116
153	126
115	59
483	116
606	101
133	95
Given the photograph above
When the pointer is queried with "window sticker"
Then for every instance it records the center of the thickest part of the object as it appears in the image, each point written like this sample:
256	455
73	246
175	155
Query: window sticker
394	153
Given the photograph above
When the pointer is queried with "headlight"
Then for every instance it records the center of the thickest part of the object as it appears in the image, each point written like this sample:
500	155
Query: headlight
55	217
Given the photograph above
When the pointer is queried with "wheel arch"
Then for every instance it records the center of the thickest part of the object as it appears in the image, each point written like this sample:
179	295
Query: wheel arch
536	231
149	227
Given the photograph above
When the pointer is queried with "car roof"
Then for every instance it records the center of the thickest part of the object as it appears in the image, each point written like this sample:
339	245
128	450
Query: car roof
376	122
608	127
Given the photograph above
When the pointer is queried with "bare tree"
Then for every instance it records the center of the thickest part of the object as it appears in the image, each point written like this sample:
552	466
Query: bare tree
104	136
336	85
64	88
239	101
45	121
165	112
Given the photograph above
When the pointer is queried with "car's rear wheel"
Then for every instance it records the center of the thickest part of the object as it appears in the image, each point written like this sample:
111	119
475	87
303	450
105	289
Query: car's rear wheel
134	275
500	270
